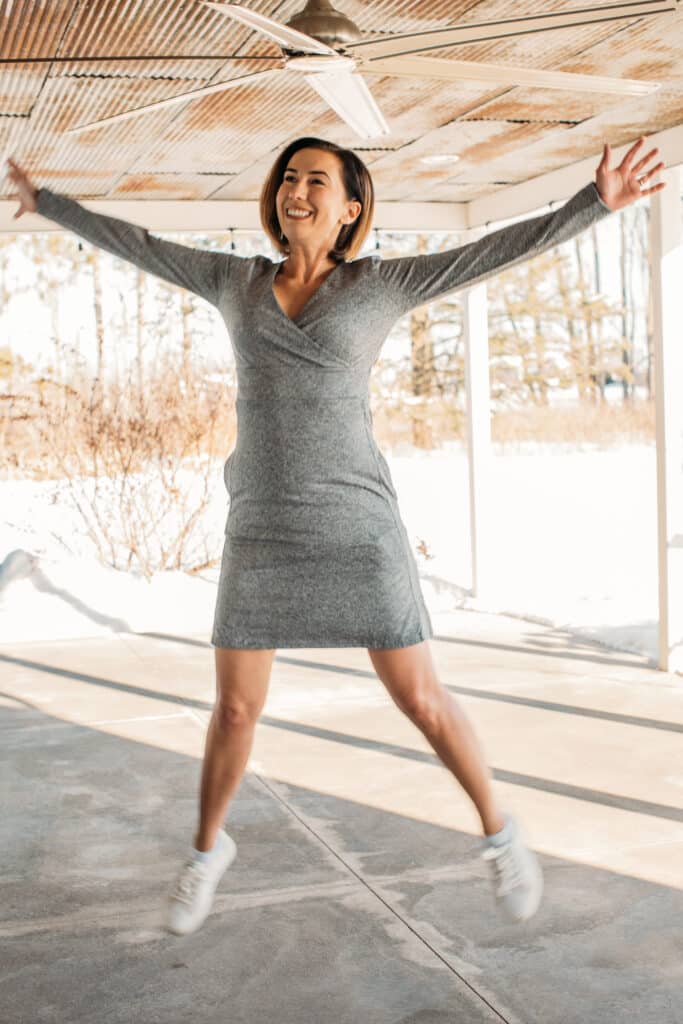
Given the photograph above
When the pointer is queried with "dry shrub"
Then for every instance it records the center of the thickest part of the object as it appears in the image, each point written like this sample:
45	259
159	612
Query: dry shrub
602	424
133	455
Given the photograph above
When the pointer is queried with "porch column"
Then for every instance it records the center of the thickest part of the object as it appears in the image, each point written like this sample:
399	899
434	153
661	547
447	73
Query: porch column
478	412
666	247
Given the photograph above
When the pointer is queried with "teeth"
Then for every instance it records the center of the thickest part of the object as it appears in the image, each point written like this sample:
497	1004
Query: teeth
301	214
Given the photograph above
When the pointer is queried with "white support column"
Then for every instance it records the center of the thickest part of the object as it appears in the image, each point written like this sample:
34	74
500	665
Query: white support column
478	413
666	245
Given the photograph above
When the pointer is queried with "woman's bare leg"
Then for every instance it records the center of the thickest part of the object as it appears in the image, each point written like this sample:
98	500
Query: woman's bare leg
242	678
409	675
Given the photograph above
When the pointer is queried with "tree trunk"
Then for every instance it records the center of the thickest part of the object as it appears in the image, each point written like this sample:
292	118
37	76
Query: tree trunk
589	349
139	300
422	368
576	348
186	307
99	319
597	323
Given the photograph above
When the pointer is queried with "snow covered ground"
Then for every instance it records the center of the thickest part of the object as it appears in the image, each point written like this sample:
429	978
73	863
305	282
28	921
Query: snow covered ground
572	543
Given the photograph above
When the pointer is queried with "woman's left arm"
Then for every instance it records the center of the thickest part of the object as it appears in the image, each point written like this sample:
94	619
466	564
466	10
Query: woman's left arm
415	280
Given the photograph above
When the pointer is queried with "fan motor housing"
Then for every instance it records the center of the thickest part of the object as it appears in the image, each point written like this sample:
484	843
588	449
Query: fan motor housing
320	20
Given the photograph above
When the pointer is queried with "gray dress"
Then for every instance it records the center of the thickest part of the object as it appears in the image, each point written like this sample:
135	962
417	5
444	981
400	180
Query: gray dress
315	552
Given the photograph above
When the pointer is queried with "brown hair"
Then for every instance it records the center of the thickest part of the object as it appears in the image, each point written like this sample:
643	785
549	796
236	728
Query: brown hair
357	185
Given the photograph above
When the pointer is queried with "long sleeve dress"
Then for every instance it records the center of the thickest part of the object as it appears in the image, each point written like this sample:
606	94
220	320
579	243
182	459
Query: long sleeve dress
315	552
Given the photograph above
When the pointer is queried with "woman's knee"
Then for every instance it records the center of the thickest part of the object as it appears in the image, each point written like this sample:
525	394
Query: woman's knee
233	714
409	676
242	678
421	702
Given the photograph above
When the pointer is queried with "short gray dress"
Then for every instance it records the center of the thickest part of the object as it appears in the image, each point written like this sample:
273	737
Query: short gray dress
315	551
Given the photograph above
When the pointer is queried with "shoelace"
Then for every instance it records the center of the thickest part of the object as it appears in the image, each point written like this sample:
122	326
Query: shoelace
193	873
507	867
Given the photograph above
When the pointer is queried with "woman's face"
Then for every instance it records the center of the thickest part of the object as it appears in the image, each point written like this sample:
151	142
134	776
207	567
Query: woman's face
312	184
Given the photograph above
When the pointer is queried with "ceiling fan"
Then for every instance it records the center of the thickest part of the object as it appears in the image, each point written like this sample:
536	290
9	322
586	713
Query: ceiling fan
334	58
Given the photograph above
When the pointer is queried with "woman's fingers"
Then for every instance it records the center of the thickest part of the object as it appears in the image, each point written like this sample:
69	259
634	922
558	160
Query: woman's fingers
651	172
630	155
655	188
645	159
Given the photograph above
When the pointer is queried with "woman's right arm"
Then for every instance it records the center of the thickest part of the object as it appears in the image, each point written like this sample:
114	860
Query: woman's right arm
199	270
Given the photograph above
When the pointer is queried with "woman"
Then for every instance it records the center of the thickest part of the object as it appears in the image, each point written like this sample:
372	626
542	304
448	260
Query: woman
315	552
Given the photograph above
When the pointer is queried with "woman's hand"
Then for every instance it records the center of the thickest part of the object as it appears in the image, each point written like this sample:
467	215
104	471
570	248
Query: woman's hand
26	193
621	186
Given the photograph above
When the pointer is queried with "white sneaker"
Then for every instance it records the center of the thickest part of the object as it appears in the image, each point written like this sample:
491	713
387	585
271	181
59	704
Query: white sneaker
192	895
517	874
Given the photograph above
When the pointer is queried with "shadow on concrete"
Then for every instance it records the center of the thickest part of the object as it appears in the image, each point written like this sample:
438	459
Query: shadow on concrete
557	787
333	911
324	668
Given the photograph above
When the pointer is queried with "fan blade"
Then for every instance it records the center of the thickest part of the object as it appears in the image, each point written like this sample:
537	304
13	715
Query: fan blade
350	97
282	34
183	97
503	74
475	32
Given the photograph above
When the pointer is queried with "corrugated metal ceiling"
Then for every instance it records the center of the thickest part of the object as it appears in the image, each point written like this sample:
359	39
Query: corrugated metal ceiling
220	146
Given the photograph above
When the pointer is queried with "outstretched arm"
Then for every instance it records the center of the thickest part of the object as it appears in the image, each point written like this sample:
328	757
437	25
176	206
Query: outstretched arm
199	270
415	280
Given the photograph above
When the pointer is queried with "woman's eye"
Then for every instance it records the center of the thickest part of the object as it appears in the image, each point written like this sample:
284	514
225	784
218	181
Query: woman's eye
316	181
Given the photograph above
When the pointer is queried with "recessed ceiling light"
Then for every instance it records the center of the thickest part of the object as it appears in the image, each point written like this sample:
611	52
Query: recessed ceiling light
439	158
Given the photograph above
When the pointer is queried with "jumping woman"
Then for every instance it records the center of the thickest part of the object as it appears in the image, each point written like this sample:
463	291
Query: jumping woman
315	551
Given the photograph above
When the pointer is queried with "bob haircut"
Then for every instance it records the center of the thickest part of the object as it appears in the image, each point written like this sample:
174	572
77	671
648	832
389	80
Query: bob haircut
357	185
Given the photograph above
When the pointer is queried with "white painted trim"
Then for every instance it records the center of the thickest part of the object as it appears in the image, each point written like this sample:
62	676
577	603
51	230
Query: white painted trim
221	214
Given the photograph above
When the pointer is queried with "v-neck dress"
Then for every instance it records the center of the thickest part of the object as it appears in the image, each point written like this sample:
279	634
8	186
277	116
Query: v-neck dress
315	553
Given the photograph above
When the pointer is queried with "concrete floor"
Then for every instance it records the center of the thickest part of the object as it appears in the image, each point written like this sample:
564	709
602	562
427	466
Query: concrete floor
358	895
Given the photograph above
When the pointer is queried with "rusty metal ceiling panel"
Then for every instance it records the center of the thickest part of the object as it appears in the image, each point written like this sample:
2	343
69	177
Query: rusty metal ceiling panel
104	152
19	90
26	30
187	40
616	119
652	49
559	105
30	29
383	16
220	146
167	186
248	183
229	131
477	143
462	192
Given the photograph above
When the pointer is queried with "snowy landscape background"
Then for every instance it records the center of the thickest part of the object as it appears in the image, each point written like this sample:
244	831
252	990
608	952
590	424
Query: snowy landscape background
572	539
575	547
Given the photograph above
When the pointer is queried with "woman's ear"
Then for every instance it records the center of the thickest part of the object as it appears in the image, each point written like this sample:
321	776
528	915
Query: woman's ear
357	207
